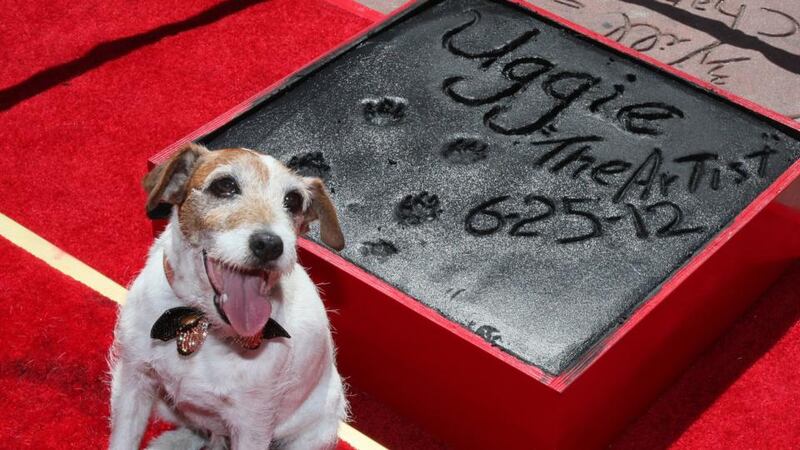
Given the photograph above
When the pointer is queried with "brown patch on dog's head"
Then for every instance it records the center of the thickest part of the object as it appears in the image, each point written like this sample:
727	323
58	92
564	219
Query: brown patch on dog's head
168	181
206	213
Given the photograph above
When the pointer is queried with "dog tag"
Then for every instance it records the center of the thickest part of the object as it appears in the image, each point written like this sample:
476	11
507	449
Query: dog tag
191	338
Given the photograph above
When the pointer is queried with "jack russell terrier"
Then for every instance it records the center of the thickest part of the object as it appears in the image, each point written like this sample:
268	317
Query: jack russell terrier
254	365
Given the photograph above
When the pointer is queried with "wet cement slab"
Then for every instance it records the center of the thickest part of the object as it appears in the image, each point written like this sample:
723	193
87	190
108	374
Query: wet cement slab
525	182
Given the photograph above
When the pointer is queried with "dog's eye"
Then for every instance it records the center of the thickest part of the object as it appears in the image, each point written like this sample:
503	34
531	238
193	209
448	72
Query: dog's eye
293	202
224	187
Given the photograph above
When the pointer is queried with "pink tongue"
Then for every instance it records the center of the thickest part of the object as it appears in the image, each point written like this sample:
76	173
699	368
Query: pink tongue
247	309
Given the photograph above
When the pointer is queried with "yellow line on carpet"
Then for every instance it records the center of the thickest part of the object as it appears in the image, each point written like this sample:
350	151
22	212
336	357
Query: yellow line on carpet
60	260
77	269
357	439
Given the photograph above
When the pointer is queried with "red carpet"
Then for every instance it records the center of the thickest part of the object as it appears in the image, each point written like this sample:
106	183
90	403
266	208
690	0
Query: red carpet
78	129
74	155
744	393
38	35
386	426
53	370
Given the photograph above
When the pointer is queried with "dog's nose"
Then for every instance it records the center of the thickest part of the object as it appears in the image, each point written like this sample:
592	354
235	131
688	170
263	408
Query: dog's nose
266	246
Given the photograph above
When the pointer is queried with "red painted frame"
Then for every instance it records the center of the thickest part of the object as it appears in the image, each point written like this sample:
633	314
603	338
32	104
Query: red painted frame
474	395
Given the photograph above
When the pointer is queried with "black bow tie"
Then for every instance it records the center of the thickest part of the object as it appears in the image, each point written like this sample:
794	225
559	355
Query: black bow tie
190	327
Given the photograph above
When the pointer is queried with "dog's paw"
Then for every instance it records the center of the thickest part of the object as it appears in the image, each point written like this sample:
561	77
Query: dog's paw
384	110
180	439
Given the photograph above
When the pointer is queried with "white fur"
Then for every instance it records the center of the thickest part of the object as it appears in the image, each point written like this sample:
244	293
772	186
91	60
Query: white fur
288	391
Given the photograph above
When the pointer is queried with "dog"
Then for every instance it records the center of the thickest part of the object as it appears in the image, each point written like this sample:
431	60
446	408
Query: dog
223	333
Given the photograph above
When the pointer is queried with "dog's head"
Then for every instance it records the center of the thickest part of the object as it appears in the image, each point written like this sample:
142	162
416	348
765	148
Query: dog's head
243	210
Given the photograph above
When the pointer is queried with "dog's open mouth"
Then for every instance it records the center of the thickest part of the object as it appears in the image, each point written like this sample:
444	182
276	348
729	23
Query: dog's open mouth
242	296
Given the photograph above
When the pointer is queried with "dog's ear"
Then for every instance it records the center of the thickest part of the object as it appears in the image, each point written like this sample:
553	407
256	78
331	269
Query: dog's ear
322	208
166	183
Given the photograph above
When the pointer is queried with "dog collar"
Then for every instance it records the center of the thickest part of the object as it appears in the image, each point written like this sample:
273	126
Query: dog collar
190	325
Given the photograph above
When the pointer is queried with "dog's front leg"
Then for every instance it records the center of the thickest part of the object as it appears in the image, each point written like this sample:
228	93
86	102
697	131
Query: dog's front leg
131	405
